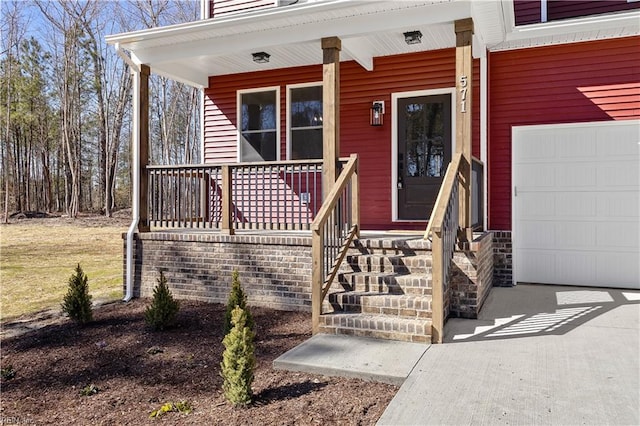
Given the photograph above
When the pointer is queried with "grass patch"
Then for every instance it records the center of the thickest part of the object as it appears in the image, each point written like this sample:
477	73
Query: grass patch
38	259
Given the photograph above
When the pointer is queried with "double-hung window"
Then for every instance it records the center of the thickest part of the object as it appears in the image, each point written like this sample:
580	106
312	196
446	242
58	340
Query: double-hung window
259	112
305	121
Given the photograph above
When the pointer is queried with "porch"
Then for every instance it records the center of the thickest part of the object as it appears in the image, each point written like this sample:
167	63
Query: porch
295	253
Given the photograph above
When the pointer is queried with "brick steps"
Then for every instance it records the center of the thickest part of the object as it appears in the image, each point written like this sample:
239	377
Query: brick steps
377	326
385	291
399	264
402	306
416	284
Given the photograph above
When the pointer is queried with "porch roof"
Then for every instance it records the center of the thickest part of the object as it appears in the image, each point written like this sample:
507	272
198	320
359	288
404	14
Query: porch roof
193	51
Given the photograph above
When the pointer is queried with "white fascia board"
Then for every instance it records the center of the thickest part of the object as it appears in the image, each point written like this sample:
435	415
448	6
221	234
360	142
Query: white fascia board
578	25
358	50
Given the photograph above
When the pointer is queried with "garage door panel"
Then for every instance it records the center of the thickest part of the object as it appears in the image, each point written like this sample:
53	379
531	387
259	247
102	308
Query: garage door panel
536	266
576	204
538	205
575	268
577	209
572	235
539	145
619	205
618	235
618	175
538	175
621	141
580	175
538	235
618	269
576	144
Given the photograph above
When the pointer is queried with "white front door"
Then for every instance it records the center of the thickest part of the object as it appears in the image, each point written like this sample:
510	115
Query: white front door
576	204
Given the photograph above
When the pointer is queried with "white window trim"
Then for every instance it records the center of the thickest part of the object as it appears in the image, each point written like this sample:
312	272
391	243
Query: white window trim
239	94
394	138
288	108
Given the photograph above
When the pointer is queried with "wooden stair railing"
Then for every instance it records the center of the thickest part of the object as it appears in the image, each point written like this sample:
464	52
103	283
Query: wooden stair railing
443	226
333	229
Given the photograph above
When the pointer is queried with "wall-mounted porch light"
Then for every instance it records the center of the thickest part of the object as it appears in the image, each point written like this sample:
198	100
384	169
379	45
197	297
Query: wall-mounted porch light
413	37
261	57
377	113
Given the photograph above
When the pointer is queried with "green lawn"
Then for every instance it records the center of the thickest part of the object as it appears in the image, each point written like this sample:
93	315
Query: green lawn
37	259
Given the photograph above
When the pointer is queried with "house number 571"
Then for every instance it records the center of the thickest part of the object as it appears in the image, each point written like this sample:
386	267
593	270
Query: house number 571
463	93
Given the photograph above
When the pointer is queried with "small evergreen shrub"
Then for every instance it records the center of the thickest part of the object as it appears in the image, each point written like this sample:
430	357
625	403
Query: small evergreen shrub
238	360
164	308
237	298
77	301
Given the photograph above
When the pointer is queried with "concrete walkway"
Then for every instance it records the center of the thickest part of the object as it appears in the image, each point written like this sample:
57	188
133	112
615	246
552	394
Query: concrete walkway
377	360
537	355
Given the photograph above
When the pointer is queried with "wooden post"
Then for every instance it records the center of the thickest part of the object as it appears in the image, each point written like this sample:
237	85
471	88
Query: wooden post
143	161
464	108
331	47
204	199
437	299
227	222
355	199
317	277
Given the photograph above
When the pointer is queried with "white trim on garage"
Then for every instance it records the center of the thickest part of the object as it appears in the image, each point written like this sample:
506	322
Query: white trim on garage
576	204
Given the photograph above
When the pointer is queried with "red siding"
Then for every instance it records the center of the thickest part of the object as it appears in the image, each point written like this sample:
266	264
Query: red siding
402	73
591	81
218	8
529	11
564	9
526	11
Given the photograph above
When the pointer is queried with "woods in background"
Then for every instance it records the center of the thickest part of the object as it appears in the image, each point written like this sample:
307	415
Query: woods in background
65	110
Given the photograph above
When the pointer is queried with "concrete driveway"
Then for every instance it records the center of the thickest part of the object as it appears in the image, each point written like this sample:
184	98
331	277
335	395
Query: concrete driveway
537	355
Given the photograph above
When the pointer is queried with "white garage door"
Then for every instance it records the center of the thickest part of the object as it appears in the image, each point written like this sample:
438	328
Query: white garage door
576	204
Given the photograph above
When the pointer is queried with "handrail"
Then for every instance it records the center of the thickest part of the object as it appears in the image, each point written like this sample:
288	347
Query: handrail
333	196
332	230
437	214
443	226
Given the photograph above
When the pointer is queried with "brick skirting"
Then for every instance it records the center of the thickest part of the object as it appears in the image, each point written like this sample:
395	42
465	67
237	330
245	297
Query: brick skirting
471	277
502	259
275	271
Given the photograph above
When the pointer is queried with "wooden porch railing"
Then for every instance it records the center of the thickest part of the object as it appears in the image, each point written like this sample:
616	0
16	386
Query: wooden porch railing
333	230
443	226
267	195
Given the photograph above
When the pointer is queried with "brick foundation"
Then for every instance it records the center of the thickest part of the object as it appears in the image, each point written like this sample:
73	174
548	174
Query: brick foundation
502	259
472	277
275	271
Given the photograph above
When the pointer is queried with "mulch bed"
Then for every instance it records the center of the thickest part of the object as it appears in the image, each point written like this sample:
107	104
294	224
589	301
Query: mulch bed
137	370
